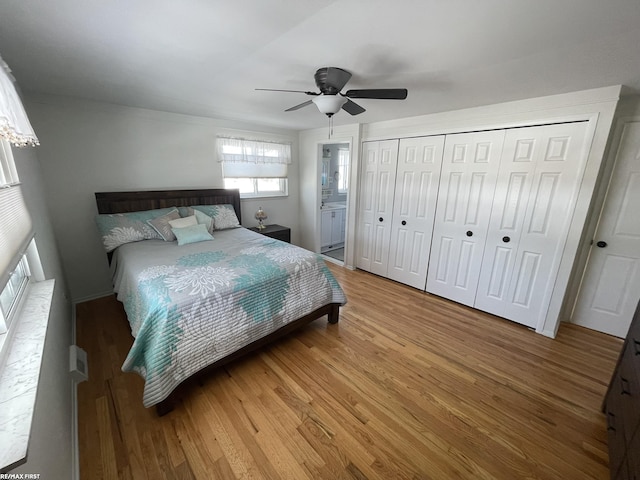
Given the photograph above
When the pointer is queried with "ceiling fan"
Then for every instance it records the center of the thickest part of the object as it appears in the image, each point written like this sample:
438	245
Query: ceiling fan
330	81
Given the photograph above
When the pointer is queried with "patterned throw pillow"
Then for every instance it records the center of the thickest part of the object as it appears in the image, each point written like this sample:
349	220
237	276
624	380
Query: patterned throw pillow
120	228
224	216
161	225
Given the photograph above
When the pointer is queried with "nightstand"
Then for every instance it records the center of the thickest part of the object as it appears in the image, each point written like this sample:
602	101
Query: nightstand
275	231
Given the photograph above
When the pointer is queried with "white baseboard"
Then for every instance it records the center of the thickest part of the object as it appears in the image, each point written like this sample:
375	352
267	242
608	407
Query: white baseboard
88	298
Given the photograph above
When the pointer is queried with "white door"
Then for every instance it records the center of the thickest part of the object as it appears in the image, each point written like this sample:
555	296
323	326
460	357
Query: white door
469	171
416	192
611	286
376	205
540	173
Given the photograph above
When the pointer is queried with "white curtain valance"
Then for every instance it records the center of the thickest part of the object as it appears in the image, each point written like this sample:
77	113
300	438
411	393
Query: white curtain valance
14	124
239	150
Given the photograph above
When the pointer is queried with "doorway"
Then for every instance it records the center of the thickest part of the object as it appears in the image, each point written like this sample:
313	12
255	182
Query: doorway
334	192
611	285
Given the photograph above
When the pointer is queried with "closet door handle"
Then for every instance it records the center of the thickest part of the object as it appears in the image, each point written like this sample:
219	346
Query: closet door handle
381	219
601	244
469	233
404	222
506	239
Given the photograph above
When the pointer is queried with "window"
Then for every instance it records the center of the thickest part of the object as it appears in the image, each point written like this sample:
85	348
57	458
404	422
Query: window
256	168
11	294
16	234
343	170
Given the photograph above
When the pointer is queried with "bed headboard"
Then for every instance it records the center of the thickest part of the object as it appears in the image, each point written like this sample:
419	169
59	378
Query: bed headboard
122	202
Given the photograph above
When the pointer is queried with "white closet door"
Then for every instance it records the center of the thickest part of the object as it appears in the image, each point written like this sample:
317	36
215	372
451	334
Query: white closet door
611	287
376	205
469	171
540	174
416	192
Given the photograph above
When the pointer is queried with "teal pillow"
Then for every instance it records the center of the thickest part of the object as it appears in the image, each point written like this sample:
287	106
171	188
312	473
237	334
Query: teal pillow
120	228
204	219
192	234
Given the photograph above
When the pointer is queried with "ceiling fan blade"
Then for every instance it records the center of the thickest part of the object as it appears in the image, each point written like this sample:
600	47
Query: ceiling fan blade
303	104
330	80
293	91
380	93
353	108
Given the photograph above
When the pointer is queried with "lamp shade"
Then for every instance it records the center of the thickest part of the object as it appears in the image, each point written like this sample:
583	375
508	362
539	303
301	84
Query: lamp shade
329	104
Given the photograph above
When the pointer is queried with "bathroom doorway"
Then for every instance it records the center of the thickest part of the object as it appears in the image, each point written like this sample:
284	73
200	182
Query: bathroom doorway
334	185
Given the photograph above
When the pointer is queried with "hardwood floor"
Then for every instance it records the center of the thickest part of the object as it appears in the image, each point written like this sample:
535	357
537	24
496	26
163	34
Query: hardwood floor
406	385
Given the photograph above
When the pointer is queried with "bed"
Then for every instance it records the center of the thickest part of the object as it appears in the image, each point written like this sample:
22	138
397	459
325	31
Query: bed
196	306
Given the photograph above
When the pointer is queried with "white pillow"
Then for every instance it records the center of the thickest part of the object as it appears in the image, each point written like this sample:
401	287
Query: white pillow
183	222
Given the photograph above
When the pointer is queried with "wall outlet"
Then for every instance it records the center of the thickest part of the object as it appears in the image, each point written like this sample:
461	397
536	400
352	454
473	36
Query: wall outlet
78	366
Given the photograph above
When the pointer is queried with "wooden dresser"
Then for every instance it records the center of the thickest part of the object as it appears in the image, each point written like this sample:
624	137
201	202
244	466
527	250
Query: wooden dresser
622	407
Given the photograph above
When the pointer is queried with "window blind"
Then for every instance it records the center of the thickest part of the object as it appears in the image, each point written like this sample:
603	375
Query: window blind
16	230
254	170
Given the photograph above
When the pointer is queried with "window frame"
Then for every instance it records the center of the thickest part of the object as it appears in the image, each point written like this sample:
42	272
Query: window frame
253	158
257	193
15	293
29	258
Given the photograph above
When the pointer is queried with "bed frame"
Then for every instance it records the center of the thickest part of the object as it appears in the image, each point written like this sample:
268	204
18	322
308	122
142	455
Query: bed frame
123	202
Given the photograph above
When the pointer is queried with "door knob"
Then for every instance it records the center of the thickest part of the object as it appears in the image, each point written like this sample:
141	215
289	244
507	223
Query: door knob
404	222
506	239
601	244
469	233
380	219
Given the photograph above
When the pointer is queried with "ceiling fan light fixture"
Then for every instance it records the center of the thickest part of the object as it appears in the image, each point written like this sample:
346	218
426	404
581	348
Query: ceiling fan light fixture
329	104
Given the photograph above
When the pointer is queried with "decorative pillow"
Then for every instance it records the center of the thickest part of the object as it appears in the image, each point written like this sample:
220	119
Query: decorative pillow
183	222
161	225
224	216
120	228
185	211
204	219
192	234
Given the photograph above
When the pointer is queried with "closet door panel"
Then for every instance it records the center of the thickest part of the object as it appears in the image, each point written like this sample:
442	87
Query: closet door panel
469	172
517	167
554	192
375	212
540	174
417	177
366	211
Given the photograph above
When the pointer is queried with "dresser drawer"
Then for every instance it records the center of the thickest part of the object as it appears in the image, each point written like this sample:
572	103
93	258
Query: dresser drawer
633	457
626	385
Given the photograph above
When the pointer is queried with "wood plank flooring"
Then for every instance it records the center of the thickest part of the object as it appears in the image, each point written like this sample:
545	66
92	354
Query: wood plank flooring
407	385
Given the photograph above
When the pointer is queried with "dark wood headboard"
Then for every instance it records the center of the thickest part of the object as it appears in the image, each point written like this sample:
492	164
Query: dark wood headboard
123	202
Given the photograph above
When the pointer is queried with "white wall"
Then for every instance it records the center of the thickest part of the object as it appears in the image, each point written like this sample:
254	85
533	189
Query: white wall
89	147
50	446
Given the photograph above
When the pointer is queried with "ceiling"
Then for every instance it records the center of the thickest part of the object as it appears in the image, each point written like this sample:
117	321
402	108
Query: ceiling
206	57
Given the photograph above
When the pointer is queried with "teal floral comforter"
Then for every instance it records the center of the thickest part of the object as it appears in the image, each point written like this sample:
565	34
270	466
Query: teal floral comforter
191	305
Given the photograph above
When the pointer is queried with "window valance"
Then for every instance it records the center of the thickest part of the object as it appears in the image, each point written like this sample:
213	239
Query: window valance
240	150
14	124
